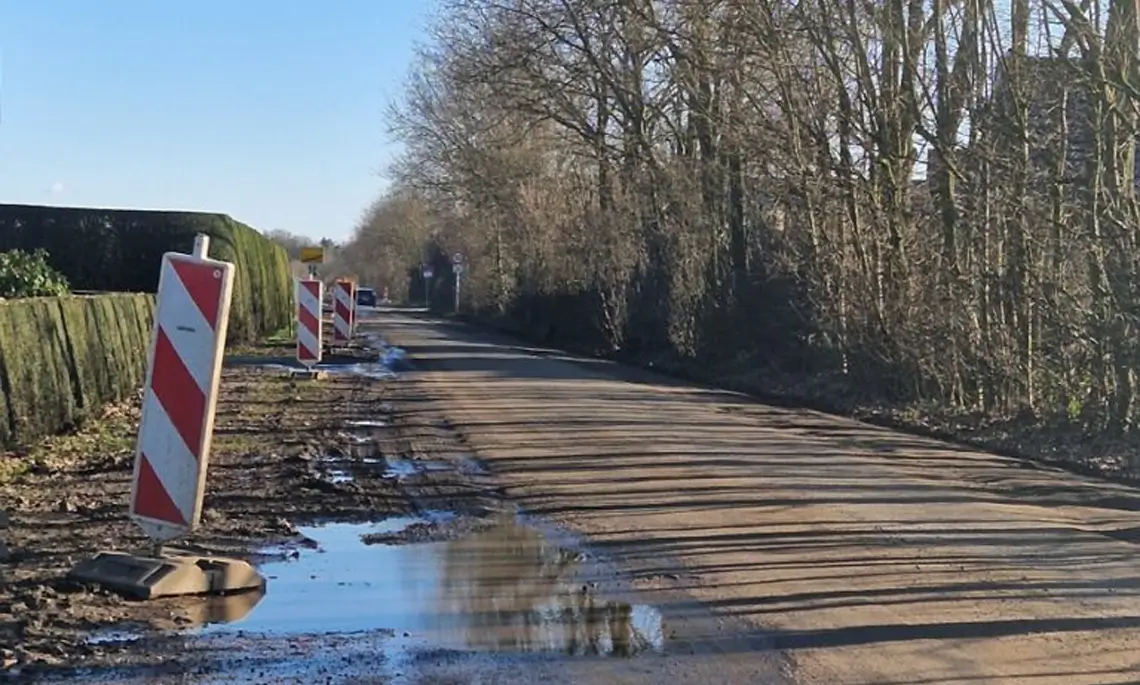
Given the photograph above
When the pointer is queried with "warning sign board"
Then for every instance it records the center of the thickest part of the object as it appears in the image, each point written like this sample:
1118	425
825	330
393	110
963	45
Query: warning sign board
312	255
180	394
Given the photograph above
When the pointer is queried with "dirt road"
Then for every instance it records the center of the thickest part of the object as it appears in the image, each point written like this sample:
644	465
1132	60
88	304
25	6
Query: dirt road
391	556
865	555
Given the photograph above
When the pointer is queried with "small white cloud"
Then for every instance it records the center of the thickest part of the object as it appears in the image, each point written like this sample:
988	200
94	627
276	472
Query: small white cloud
57	188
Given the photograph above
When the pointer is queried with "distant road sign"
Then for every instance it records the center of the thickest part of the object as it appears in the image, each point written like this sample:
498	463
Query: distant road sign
428	271
458	268
312	255
457	258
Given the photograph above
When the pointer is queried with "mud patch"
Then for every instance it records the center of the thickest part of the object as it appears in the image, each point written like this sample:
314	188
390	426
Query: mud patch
341	470
437	528
72	501
240	658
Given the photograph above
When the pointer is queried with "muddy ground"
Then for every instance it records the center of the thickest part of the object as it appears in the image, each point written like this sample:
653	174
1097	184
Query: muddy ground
298	468
286	453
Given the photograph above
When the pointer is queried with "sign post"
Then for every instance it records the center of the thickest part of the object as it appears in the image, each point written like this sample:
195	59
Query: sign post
355	307
175	433
312	256
428	272
457	267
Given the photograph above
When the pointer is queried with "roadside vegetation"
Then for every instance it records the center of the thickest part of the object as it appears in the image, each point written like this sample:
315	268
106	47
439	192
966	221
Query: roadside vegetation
65	356
922	212
24	274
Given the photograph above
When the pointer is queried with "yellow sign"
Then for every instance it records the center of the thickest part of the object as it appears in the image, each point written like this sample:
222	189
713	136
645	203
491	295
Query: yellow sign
312	255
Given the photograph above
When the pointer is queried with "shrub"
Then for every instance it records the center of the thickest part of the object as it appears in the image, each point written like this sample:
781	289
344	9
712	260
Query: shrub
62	358
28	274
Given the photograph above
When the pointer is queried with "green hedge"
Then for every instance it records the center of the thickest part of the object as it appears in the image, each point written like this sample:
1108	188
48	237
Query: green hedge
115	250
62	357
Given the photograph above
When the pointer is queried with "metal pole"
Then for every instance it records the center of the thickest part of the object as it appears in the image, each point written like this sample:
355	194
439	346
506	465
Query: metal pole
201	245
457	291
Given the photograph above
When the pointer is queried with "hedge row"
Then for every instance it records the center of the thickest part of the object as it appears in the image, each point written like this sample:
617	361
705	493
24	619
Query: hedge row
120	250
62	357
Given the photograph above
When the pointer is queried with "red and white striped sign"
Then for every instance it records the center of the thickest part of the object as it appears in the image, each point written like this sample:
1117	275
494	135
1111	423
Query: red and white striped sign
180	394
344	311
309	297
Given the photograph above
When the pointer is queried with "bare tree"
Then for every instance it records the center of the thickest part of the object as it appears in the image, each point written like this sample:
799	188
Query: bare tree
922	204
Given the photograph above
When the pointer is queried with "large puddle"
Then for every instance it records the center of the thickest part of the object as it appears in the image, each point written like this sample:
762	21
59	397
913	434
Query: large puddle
386	361
506	588
340	610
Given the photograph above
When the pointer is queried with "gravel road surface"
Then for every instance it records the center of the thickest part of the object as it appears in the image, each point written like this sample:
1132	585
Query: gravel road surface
841	552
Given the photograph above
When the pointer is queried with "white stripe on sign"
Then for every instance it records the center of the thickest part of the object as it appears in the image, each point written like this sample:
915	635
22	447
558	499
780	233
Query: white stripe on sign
189	332
179	466
307	340
309	301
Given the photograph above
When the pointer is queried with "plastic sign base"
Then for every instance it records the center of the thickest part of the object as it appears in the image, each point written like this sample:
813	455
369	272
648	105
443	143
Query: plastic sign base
306	374
173	574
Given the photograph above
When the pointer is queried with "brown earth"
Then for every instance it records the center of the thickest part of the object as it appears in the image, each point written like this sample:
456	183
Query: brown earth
269	474
266	476
866	555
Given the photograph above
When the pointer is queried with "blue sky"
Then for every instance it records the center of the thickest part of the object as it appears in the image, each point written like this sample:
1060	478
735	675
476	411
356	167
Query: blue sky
271	111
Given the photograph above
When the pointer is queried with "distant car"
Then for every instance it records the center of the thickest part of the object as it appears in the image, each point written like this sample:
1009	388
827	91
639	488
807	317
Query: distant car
366	297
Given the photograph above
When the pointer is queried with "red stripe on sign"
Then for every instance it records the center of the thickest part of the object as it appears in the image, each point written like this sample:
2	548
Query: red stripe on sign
204	284
151	499
343	311
178	393
314	288
308	320
305	353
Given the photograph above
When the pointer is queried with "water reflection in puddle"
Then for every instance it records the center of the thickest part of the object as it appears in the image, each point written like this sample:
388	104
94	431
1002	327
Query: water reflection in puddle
374	370
340	470
340	476
194	612
503	589
368	423
112	636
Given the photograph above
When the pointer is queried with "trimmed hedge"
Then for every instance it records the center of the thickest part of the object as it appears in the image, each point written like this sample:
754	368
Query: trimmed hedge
115	250
64	357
